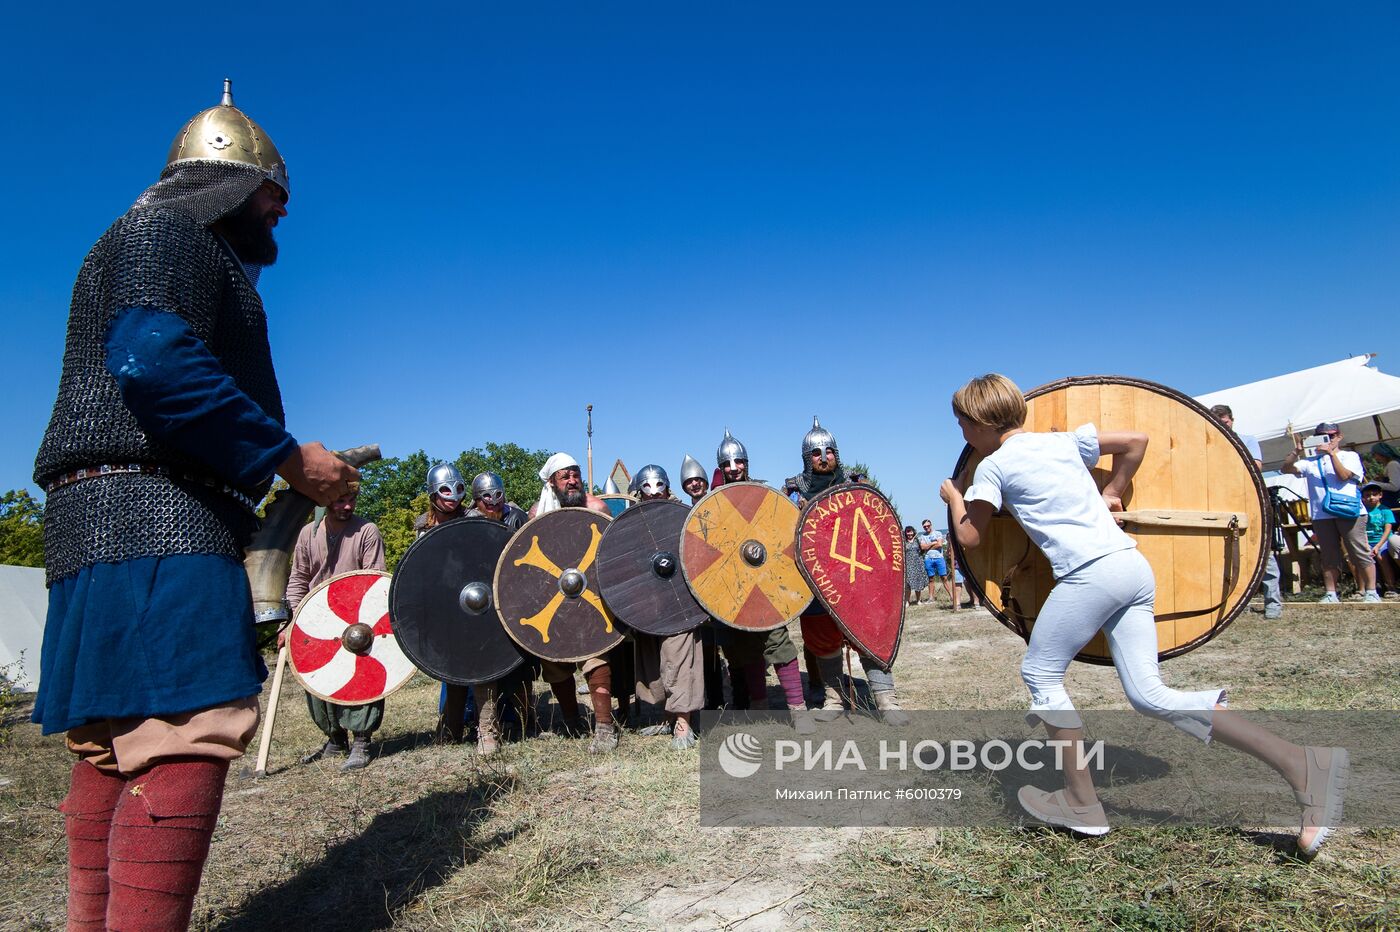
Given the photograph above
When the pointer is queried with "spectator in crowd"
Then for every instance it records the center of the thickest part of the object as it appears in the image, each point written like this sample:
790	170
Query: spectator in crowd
1334	478
1380	521
1389	459
914	576
931	542
1273	595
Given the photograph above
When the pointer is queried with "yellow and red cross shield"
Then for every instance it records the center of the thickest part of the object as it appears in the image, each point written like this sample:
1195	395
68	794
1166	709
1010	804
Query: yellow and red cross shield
738	552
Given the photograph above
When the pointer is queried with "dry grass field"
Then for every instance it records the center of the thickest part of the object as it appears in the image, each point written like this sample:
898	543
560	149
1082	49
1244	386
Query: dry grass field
544	836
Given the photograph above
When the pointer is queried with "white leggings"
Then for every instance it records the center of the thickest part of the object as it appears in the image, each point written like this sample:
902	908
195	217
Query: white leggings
1114	594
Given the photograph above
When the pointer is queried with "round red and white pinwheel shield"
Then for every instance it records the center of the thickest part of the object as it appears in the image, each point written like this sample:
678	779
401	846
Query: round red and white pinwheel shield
342	643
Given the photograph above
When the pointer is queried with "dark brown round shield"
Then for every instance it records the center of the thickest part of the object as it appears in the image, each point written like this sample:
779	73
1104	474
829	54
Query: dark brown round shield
547	587
443	603
1196	507
639	571
851	552
739	555
341	643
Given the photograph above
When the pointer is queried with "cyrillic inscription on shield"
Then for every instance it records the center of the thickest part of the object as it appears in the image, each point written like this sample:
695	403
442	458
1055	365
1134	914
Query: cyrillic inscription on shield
851	550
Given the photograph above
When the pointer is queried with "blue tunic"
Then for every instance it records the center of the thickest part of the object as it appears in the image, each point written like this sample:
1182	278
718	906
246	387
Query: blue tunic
163	635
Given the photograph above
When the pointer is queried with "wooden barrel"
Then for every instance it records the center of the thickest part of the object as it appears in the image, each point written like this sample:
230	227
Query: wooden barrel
1197	508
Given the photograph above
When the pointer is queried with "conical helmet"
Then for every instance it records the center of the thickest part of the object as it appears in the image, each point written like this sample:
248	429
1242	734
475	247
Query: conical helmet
818	438
610	487
730	451
691	469
225	134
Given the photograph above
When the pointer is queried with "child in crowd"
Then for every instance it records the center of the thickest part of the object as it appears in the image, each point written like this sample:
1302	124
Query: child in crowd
1102	584
1380	521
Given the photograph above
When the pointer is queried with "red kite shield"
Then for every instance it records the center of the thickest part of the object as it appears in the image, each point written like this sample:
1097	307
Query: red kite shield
852	552
342	645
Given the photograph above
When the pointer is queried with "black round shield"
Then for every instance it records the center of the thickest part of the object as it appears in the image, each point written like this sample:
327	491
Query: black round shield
639	570
547	587
443	603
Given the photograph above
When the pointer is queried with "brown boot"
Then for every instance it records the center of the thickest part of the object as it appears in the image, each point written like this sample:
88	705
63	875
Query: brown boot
488	740
890	712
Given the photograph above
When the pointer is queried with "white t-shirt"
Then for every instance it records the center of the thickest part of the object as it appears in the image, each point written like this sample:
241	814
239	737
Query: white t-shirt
1320	482
1043	480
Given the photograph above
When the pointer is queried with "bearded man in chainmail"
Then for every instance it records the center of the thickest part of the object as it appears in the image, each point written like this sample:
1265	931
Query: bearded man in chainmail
821	469
165	435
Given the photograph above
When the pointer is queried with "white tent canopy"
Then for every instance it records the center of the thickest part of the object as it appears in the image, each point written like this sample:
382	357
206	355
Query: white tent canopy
1361	399
24	603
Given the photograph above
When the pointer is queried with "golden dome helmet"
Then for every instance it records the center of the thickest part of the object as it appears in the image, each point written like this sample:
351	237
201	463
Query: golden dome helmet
226	134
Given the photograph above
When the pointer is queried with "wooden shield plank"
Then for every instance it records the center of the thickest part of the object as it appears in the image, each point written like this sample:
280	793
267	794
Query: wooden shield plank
1196	507
739	555
327	660
639	571
617	503
448	634
851	552
547	587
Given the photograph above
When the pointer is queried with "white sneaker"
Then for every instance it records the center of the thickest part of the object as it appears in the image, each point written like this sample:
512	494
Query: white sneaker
1372	596
1329	599
1052	808
1322	800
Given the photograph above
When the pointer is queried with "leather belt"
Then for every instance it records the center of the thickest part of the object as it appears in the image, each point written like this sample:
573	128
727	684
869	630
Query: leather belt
148	469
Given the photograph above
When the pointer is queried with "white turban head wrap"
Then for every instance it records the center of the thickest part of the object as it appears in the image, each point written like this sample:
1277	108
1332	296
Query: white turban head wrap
549	501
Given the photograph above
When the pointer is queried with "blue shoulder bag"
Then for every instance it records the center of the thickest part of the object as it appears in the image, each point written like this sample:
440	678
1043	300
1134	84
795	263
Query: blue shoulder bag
1337	504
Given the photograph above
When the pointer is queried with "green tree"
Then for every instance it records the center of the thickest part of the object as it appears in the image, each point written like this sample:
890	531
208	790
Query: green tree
518	468
21	529
396	529
390	484
871	480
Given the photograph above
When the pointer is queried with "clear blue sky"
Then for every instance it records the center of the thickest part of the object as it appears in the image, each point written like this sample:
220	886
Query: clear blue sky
700	215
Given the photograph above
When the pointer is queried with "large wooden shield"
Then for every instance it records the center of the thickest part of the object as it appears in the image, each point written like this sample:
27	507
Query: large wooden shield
341	642
443	603
639	571
851	552
1196	507
547	587
739	555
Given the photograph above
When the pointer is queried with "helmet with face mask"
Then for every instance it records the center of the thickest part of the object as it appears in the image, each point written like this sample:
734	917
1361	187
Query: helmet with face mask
446	483
730	451
652	480
818	438
691	469
488	489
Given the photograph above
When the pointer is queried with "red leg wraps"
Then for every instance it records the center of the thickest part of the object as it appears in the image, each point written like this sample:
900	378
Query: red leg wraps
160	838
92	795
600	692
791	678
